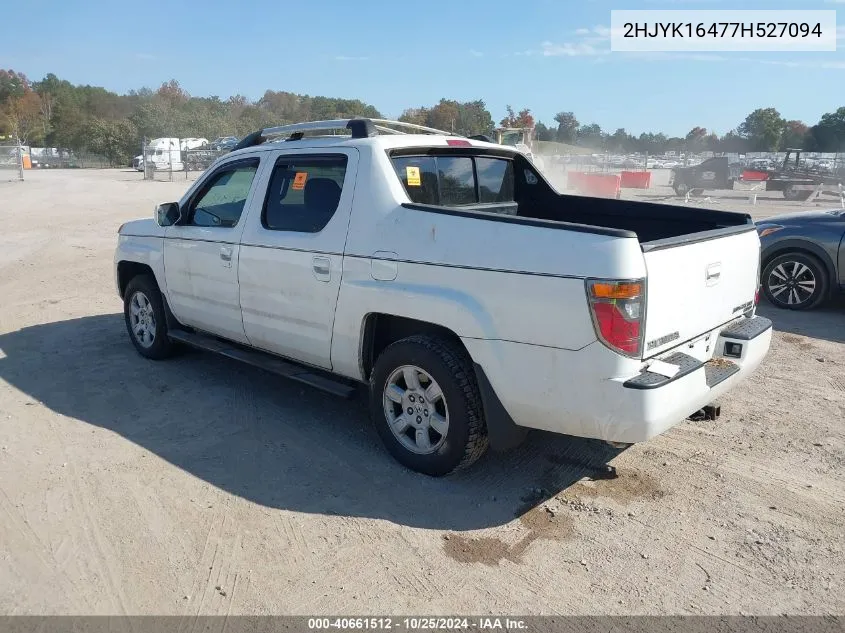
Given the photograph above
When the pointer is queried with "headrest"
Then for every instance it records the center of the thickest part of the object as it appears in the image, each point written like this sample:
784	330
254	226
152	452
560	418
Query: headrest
321	194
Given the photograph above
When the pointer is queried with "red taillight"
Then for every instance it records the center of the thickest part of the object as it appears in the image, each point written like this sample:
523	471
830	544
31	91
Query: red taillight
617	308
757	296
457	142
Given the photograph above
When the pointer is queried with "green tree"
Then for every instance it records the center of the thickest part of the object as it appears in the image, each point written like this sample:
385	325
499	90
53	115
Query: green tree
113	139
567	127
695	139
828	135
794	135
544	133
619	140
12	84
763	129
734	142
21	117
591	136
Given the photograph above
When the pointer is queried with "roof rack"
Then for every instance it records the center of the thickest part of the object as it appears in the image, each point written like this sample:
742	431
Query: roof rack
358	128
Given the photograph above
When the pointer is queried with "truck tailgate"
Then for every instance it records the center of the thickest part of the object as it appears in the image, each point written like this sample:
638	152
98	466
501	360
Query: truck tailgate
694	286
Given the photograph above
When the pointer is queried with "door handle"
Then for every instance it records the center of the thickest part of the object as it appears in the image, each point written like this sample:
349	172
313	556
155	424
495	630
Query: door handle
226	255
712	274
322	268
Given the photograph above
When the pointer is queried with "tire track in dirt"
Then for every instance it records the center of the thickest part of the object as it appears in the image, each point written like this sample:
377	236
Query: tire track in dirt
23	538
762	474
93	536
95	539
217	575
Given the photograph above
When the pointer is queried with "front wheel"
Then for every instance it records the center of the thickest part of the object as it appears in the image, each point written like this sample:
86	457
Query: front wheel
146	322
426	406
681	189
795	281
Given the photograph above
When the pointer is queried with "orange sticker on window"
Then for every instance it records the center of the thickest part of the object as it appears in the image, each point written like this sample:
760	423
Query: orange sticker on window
299	180
412	175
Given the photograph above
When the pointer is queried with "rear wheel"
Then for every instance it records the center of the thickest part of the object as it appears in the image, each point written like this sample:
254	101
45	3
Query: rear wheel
791	193
426	406
795	281
681	189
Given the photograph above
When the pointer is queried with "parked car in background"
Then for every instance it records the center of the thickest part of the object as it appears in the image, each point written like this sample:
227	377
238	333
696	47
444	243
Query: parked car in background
803	258
224	143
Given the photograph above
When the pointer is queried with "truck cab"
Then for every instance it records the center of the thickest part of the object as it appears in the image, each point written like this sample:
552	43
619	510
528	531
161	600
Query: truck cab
713	173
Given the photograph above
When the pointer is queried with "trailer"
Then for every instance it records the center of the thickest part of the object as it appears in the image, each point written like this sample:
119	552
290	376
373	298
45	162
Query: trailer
800	183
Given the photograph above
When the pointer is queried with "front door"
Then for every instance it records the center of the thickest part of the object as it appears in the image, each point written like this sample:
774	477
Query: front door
201	252
291	261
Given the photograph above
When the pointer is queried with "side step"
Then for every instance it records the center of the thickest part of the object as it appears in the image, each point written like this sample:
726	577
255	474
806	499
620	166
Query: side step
265	361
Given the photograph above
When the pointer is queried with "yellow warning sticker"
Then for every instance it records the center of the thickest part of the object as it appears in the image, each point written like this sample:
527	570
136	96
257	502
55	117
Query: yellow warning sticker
413	176
299	180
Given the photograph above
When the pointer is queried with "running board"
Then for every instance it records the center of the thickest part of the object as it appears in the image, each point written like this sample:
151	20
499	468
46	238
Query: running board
265	361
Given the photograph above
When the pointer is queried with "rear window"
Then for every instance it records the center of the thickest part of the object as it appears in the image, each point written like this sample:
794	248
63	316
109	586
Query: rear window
455	181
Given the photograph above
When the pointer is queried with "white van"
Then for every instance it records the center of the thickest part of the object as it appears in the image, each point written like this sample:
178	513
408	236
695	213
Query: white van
166	153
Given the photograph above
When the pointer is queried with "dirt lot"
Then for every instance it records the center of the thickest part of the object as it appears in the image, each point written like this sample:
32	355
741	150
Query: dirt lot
201	486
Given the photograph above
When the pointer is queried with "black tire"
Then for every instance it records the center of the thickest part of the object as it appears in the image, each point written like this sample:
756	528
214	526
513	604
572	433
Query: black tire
792	194
161	346
786	265
465	441
681	189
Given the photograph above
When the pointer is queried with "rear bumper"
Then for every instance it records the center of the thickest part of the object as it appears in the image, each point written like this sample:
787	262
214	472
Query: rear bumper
569	391
661	402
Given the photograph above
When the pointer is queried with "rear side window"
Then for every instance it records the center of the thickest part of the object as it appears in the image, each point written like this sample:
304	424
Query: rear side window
495	179
304	193
455	181
419	175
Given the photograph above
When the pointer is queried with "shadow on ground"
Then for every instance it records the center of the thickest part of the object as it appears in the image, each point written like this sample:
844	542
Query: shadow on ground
826	322
269	440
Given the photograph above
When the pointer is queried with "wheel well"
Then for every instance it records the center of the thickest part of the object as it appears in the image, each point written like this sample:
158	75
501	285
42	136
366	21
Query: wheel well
807	252
126	271
380	330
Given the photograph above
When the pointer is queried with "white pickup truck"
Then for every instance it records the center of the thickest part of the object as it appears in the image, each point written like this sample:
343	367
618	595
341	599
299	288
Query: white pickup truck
445	273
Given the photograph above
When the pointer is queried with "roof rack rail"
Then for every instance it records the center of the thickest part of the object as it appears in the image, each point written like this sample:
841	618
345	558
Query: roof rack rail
358	127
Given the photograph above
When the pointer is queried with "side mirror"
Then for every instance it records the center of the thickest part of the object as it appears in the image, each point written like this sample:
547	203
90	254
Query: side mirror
168	214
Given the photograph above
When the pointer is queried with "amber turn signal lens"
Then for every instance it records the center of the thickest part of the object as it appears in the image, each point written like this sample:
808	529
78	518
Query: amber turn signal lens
617	291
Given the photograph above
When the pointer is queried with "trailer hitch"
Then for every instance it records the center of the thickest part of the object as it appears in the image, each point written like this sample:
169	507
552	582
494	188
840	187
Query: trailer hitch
709	412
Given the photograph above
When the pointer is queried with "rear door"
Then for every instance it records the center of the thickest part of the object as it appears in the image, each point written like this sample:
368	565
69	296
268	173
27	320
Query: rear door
291	258
696	286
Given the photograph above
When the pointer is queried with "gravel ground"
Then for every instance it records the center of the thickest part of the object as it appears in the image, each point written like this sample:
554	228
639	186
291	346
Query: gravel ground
200	486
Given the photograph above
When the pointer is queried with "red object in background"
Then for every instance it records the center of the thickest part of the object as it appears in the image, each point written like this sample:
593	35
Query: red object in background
574	179
750	174
601	185
636	179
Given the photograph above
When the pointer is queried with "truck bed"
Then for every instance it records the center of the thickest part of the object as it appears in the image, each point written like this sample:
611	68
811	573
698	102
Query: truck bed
653	223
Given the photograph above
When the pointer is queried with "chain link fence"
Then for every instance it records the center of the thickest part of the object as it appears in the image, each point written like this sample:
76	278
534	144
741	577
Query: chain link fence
177	158
56	158
11	162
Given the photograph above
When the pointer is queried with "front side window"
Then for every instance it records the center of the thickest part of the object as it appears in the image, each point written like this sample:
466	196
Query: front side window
221	201
304	193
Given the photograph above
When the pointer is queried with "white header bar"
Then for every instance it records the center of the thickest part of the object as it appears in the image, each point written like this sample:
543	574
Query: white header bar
706	31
